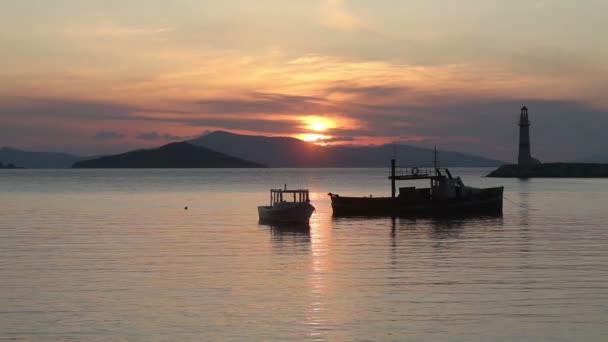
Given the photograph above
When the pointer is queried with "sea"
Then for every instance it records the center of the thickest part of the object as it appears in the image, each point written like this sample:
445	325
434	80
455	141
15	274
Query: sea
179	255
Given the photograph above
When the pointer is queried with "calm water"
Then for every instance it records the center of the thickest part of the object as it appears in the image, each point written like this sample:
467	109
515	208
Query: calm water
113	255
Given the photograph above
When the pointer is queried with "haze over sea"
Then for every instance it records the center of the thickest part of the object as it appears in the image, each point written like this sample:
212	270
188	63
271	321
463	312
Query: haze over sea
113	255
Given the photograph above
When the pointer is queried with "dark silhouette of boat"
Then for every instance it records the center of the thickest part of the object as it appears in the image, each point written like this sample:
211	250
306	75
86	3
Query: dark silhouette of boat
281	210
447	196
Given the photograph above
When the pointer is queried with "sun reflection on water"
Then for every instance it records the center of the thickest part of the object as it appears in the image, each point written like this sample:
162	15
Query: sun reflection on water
316	311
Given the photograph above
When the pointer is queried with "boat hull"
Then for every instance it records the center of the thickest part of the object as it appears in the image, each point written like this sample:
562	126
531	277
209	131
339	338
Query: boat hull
485	202
286	213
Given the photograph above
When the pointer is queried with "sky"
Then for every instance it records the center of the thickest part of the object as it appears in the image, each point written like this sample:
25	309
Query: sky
91	76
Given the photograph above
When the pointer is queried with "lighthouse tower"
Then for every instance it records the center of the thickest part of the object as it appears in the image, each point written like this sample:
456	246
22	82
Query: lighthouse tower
525	158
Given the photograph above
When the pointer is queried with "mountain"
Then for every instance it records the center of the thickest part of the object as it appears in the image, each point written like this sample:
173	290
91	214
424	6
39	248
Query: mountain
174	155
291	152
37	160
271	151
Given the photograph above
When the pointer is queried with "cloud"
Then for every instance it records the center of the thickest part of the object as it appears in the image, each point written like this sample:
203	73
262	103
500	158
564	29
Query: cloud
162	136
266	103
278	125
561	129
53	108
114	30
399	70
337	15
228	113
377	91
108	135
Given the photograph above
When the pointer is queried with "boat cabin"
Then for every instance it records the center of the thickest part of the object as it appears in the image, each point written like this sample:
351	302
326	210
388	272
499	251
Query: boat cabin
285	195
443	185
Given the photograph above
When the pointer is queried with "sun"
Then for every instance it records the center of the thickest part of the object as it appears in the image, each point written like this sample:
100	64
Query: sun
319	124
316	129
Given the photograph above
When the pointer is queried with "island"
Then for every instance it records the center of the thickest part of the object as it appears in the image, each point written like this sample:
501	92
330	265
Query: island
174	155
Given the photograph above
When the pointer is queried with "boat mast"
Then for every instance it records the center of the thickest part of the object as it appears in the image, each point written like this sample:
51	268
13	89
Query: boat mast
435	158
393	178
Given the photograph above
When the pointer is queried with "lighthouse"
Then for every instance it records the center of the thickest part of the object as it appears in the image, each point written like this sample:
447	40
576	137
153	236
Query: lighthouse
525	158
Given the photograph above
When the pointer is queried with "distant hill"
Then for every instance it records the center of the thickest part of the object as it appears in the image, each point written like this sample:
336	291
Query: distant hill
174	155
37	160
291	152
271	151
9	166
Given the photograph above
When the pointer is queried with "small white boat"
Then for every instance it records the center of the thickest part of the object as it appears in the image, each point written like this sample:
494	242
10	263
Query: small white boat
281	209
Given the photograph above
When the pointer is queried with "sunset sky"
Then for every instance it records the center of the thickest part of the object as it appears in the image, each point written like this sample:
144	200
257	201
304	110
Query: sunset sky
93	76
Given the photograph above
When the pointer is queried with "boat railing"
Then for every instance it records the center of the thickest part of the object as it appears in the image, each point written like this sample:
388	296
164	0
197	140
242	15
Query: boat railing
411	172
285	195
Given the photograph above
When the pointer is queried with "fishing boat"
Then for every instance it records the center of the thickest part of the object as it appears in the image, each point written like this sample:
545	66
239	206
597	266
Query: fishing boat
446	196
287	206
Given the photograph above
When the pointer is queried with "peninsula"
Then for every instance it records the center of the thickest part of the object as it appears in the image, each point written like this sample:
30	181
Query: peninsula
529	167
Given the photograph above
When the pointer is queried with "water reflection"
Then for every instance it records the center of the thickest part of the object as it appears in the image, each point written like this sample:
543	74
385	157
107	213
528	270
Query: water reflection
524	219
524	203
441	228
316	311
288	238
313	240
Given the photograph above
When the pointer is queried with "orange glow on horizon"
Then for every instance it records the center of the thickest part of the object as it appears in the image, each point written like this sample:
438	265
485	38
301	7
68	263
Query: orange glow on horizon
313	137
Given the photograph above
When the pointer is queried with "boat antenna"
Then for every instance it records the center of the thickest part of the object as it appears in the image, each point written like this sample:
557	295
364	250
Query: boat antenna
435	157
